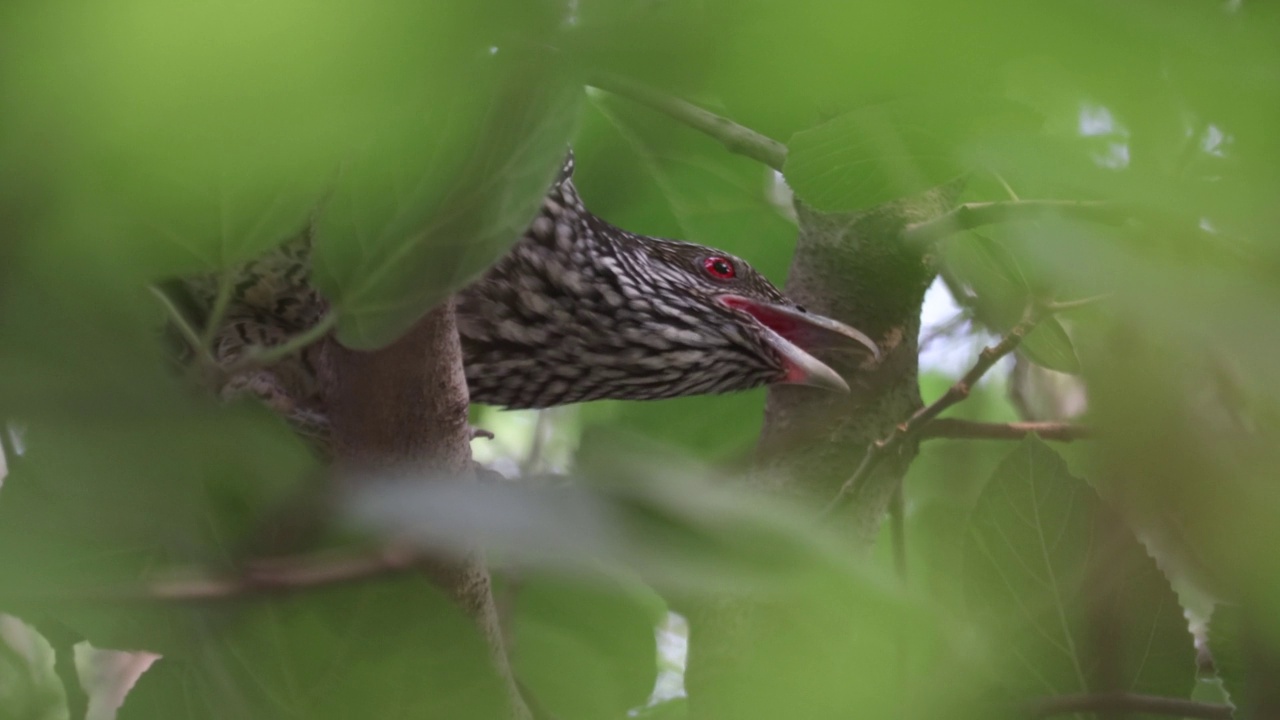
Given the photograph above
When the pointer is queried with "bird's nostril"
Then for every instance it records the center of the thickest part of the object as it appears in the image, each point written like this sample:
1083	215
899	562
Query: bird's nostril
801	309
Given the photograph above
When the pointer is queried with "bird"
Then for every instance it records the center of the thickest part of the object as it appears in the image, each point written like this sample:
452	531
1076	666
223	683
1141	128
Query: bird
577	310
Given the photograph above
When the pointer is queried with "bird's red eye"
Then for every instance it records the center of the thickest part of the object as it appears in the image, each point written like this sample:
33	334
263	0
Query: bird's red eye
720	268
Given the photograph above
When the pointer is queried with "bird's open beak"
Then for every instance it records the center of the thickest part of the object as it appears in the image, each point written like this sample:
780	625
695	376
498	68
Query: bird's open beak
794	333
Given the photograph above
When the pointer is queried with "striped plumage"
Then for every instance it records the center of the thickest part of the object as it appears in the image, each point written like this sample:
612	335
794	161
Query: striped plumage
581	310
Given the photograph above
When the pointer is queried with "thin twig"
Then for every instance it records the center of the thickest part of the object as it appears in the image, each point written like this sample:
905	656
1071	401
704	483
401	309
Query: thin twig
974	215
907	430
1069	305
63	640
267	355
268	577
179	321
957	429
1129	703
736	138
219	310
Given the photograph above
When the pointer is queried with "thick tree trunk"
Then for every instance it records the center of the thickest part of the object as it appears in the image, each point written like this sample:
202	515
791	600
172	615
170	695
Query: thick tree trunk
852	267
404	407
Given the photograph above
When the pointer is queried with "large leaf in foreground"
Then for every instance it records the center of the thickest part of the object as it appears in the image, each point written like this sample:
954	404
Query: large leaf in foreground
586	650
391	648
1065	590
829	620
440	195
192	136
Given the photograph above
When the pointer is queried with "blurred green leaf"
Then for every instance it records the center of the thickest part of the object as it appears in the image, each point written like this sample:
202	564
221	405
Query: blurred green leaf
442	193
125	468
586	650
1075	603
999	295
1049	345
29	688
891	150
383	649
1228	645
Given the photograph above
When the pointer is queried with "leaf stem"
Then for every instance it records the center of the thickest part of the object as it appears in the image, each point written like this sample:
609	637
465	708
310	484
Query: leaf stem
219	310
265	355
198	346
737	139
974	215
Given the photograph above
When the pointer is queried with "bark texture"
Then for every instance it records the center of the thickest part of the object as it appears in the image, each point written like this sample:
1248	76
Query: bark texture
404	407
856	269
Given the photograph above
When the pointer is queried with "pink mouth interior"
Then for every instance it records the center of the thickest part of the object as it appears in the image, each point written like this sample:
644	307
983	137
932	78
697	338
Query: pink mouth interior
777	322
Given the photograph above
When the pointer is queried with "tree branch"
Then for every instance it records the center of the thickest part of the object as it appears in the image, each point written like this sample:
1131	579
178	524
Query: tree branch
957	429
736	138
973	215
909	429
1129	703
280	575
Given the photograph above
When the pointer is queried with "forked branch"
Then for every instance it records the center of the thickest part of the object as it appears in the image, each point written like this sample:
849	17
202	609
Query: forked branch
913	425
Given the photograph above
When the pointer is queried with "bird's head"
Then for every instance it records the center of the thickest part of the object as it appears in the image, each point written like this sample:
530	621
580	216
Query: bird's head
735	301
582	310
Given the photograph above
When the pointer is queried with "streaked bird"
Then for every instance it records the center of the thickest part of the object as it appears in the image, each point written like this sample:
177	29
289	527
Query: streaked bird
577	310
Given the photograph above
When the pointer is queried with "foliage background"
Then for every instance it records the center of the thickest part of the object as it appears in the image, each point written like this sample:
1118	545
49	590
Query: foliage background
143	139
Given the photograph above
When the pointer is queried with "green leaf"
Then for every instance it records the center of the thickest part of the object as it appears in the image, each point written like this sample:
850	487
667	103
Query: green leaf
1000	292
1048	345
444	191
586	650
883	152
191	137
391	648
125	467
1073	600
